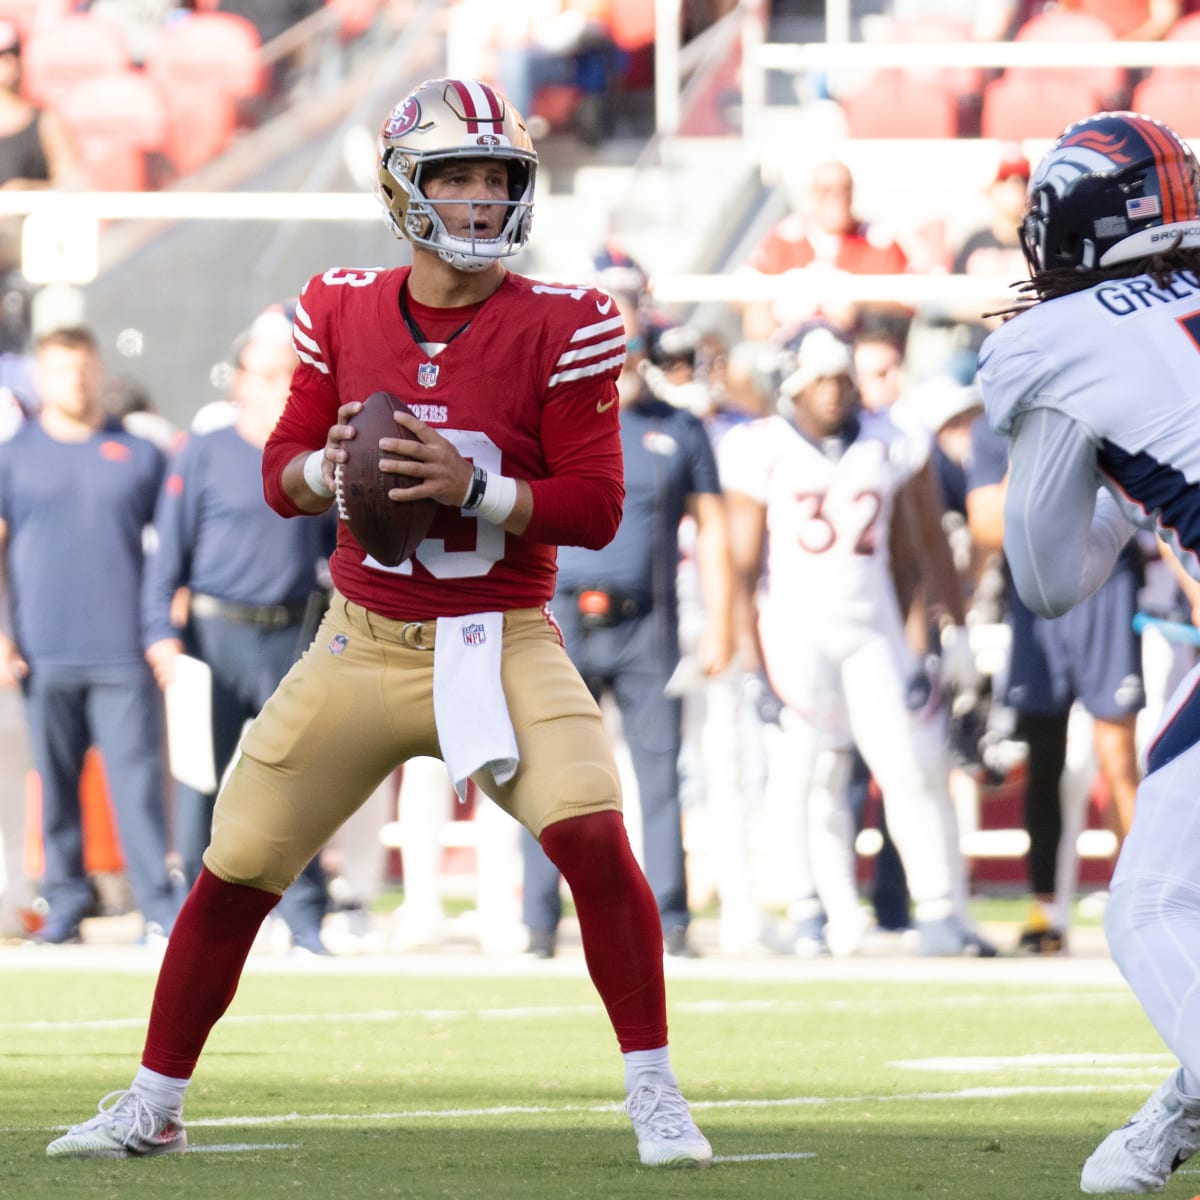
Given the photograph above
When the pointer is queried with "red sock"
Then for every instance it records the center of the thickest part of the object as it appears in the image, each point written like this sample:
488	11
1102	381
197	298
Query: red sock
207	949
619	922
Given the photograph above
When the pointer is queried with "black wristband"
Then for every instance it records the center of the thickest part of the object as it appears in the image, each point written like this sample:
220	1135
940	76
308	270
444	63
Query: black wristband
475	493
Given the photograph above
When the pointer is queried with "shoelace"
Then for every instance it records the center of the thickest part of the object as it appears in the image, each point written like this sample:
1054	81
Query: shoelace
142	1124
1175	1132
662	1109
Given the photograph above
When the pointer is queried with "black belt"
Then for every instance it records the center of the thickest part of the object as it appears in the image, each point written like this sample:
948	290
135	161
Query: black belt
268	616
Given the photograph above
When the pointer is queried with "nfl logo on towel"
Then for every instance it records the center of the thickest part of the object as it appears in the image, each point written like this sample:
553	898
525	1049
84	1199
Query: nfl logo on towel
427	374
473	635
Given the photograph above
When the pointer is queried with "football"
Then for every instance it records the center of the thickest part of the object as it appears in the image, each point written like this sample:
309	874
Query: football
388	530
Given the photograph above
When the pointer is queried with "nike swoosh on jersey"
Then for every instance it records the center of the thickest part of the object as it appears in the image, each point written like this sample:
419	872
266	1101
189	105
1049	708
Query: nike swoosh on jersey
602	309
601	407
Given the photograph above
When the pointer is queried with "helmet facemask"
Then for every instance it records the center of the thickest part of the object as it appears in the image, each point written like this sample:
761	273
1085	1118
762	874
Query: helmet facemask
423	226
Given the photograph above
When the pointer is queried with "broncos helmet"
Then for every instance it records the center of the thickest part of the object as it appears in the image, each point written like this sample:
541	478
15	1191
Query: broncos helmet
444	119
1114	187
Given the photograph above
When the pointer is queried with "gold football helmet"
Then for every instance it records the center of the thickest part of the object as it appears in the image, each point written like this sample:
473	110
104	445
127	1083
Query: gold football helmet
445	119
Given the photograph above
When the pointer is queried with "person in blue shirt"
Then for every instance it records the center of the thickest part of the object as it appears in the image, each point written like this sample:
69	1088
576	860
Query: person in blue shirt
1091	654
251	588
76	495
618	611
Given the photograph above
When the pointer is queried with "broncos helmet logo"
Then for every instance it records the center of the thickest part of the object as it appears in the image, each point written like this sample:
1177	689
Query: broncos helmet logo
1108	145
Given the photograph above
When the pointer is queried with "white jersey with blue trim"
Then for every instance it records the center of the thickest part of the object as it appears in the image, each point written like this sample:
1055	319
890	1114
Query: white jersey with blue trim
828	515
1122	362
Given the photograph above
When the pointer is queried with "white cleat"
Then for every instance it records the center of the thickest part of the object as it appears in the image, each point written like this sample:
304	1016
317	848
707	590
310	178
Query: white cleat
667	1135
1140	1156
125	1128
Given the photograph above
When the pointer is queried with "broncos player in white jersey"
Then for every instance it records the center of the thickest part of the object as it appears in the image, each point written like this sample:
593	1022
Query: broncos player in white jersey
821	481
1096	383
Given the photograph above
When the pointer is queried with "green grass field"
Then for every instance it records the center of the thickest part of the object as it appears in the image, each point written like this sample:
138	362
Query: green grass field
461	1078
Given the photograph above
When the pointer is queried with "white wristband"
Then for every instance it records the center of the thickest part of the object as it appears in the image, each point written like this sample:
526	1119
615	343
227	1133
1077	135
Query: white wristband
313	475
499	499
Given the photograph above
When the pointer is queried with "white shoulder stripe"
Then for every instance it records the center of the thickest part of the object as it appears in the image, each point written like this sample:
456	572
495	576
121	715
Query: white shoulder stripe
589	331
302	339
312	362
596	368
592	351
302	316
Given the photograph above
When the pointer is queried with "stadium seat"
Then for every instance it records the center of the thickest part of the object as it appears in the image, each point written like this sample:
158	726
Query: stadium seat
1175	100
1016	107
28	15
214	48
201	121
57	57
963	81
116	121
1109	84
1172	93
355	17
631	23
895	105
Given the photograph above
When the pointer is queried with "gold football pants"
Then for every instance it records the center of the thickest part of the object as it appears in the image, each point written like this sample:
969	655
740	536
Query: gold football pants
360	702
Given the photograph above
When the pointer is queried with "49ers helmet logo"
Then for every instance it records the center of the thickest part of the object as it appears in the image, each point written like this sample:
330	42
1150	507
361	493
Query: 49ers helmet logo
403	118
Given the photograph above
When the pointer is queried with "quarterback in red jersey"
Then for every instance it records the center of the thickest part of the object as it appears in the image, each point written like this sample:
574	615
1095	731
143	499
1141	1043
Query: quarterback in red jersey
453	653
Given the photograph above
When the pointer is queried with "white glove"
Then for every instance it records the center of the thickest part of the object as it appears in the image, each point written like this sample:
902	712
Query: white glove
958	668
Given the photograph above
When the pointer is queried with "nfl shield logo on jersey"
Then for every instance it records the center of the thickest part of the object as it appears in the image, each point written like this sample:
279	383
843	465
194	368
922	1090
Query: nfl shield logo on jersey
427	374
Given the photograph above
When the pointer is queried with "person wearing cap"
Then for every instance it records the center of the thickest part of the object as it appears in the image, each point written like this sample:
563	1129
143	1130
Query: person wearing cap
994	248
251	580
814	491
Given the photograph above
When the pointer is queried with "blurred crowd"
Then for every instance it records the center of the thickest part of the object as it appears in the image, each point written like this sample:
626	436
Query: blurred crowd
751	784
744	794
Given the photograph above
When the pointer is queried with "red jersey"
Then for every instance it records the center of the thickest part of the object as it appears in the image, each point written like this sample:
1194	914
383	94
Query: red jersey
527	389
786	247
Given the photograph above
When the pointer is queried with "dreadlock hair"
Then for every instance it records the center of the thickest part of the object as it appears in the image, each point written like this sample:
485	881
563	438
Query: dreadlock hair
1062	281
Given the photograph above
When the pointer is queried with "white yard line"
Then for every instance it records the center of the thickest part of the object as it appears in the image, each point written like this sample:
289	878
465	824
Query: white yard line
506	1110
544	1012
1052	972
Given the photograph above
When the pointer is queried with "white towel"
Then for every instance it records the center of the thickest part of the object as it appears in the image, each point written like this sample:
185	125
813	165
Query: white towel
469	707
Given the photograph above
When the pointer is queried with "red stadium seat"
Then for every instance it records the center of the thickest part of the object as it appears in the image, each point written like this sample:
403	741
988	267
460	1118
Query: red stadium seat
1172	93
894	105
201	123
631	23
355	17
962	80
1109	84
28	15
57	57
1015	107
115	121
1175	100
214	48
